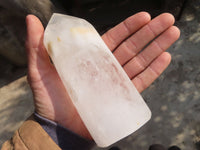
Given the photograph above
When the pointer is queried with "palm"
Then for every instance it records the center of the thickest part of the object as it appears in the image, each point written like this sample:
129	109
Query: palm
125	41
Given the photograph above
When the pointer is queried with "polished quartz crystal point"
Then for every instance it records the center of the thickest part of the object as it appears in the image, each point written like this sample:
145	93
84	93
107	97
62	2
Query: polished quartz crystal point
104	96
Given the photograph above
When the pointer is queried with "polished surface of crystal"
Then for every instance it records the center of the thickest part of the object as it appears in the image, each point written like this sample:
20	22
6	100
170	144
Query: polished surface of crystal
104	96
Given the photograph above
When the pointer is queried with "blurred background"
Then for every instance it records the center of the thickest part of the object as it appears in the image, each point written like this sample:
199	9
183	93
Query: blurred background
174	98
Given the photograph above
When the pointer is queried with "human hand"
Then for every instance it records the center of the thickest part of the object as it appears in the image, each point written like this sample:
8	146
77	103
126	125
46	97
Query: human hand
129	41
125	40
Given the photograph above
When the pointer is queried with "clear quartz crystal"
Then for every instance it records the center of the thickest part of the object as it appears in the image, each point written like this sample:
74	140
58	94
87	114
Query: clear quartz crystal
104	96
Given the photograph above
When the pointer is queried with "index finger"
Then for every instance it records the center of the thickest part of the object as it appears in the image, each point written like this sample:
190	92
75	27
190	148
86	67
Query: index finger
119	33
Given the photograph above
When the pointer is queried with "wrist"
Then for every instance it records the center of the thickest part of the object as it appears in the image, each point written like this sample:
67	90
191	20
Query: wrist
62	136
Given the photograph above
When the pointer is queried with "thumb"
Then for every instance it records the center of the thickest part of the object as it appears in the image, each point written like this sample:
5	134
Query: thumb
35	31
36	52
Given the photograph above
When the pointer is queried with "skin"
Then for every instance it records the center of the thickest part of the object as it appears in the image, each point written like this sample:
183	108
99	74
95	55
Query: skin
125	40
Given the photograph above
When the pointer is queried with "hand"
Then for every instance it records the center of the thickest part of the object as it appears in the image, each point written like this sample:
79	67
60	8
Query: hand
126	41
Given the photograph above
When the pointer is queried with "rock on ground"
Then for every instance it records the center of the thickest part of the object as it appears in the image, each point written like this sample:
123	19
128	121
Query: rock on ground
13	28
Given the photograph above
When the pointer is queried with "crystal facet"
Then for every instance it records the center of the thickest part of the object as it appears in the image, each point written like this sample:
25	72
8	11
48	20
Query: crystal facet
104	96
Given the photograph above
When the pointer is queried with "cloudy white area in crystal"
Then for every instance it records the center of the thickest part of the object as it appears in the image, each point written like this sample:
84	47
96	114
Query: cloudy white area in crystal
104	96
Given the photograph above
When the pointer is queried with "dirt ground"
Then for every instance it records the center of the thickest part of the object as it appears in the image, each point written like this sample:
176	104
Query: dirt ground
174	98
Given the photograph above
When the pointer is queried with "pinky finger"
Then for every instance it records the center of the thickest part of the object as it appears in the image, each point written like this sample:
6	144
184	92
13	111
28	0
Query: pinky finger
152	72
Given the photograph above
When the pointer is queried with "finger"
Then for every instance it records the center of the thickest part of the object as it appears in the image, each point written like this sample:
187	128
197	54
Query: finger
140	39
144	79
36	52
123	30
158	46
35	31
